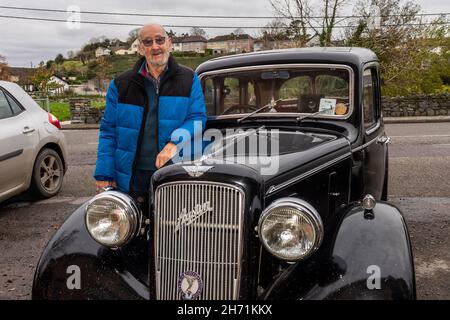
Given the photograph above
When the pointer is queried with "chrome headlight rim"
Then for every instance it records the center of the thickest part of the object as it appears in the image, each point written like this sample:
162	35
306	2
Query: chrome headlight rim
311	214
132	211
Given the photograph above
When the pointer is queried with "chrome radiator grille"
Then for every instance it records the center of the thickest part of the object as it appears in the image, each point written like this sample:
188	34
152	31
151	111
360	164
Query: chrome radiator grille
198	227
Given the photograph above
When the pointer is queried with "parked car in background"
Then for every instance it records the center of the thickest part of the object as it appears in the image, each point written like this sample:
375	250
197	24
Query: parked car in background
32	146
291	204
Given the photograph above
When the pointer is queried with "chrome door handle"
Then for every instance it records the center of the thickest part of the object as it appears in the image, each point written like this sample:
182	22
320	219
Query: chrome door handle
27	130
384	140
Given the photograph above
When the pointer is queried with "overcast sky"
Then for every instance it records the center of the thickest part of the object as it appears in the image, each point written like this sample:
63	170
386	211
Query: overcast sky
24	42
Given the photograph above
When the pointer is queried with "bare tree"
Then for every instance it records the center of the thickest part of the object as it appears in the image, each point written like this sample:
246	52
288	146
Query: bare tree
103	72
4	69
306	23
273	33
70	54
196	31
238	31
132	35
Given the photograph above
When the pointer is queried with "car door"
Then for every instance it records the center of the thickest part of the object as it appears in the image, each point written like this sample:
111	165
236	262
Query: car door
374	151
18	139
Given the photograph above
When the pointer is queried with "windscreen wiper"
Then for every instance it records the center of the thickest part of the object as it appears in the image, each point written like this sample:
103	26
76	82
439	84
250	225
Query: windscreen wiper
300	118
235	138
271	104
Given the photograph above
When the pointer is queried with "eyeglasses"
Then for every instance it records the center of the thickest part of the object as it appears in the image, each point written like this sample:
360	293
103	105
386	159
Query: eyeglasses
149	42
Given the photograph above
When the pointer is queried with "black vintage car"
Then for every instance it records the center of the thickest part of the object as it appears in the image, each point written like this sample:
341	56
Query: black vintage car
286	202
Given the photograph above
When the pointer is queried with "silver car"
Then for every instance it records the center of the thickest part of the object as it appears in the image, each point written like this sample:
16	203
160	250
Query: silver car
32	146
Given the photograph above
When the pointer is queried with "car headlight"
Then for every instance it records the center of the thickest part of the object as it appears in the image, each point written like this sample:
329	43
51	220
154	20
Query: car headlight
290	229
112	218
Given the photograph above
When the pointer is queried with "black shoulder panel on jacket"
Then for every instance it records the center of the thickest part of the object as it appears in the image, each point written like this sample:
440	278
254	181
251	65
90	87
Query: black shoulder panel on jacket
179	84
131	87
128	88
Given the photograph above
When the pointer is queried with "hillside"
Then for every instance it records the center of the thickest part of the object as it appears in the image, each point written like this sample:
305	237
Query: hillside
117	64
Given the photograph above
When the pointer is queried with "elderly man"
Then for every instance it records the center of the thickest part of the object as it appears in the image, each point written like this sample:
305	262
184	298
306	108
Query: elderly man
144	106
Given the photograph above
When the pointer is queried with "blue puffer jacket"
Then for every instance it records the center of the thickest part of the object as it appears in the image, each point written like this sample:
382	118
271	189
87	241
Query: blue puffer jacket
180	106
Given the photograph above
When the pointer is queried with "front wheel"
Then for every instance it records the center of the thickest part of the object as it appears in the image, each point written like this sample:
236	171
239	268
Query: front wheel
48	174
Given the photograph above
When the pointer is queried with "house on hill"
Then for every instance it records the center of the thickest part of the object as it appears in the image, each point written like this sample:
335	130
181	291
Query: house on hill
62	85
189	43
121	51
134	48
231	43
100	51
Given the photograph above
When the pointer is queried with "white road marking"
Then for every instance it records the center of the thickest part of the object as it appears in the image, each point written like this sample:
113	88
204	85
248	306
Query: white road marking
422	136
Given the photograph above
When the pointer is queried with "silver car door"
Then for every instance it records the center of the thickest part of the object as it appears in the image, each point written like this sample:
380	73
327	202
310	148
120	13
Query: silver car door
18	139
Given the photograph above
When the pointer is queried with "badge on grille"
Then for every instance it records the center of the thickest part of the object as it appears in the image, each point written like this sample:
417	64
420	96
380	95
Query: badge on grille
190	285
196	170
186	218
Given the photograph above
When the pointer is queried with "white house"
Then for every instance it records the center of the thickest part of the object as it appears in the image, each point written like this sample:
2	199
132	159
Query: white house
177	44
122	52
102	52
62	85
134	47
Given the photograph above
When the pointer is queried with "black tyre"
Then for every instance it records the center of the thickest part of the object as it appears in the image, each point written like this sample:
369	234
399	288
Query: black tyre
48	173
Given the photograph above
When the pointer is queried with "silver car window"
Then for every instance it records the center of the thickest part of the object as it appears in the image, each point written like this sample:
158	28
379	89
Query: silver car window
5	108
14	105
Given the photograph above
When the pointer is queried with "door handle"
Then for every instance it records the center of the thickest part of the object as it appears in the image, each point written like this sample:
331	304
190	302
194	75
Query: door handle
384	140
27	130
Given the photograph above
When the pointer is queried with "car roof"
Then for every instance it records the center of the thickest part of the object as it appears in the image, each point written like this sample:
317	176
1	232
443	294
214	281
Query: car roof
18	93
334	55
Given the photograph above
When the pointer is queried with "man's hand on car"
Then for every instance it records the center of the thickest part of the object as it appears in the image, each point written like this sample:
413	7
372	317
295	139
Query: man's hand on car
165	155
99	185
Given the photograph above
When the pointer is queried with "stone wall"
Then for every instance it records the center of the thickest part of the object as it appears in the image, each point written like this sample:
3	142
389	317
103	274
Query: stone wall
82	112
423	105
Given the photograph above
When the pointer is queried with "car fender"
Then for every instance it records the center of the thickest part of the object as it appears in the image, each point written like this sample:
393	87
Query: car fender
368	257
102	273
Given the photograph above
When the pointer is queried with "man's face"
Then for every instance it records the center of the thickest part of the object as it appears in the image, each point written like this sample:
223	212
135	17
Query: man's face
155	45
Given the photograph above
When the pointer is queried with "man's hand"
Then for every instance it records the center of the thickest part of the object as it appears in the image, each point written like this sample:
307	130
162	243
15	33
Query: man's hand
165	155
99	185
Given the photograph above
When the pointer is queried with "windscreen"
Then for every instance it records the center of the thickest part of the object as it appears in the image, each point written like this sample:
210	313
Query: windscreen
292	90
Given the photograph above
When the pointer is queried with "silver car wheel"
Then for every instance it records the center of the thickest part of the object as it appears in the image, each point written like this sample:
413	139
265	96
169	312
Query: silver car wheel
50	173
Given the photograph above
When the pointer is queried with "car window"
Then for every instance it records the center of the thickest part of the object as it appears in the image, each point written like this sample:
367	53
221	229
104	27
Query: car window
13	104
330	85
369	98
229	95
5	109
295	90
295	87
210	96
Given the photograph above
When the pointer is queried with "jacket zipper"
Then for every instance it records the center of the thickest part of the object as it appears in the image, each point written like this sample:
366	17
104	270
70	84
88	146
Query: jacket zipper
141	131
157	119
